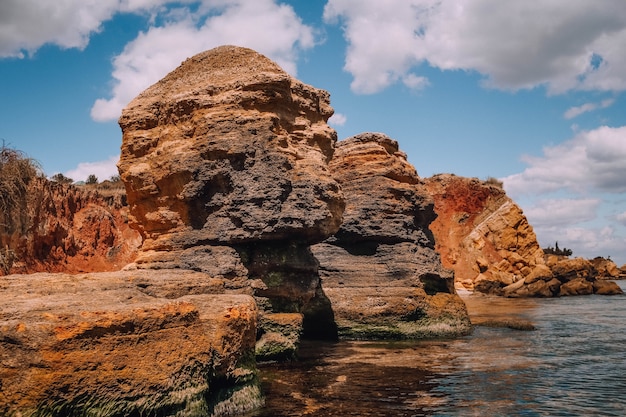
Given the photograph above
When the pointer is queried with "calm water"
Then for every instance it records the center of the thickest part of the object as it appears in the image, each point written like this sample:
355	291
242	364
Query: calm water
573	364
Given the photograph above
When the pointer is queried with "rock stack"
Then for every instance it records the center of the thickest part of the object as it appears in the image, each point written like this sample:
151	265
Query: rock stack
380	271
486	239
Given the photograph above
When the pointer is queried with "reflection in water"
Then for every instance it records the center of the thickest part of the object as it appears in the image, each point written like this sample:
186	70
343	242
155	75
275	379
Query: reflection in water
573	364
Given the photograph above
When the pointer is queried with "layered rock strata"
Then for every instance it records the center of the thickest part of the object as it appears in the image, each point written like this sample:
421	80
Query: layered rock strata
63	228
485	237
125	343
225	165
380	271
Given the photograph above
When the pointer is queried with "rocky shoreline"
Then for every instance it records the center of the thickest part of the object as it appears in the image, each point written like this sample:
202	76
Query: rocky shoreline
249	227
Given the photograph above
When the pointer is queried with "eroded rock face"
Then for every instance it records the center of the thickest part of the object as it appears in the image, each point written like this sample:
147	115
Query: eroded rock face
225	162
229	149
125	343
485	237
380	271
70	229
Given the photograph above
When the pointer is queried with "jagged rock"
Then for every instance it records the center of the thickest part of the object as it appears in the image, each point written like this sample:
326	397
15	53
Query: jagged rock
380	271
485	237
64	228
226	149
566	269
603	287
125	343
605	268
225	164
576	286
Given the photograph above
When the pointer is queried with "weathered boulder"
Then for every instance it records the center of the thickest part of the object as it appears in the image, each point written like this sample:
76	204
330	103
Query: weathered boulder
225	162
125	343
605	268
380	271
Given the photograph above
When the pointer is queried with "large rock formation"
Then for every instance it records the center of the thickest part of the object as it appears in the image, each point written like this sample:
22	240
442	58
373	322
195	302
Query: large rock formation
229	149
225	166
125	343
63	228
380	271
485	237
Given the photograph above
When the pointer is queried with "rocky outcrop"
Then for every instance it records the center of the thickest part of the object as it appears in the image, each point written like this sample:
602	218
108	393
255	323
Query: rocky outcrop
229	149
482	234
485	237
64	228
125	343
380	271
225	162
606	268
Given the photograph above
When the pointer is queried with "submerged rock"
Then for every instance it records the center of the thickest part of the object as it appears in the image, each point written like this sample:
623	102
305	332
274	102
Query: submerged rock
124	343
380	271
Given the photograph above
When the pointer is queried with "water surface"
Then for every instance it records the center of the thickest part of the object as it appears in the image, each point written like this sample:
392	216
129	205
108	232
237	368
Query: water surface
573	364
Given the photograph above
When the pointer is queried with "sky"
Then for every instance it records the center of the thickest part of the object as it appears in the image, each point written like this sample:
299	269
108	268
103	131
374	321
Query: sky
531	93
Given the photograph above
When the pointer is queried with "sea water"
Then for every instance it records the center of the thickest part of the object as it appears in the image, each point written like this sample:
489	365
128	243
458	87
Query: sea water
572	364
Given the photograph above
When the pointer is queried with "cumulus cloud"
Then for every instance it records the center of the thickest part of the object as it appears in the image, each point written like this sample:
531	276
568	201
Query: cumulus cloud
26	25
593	159
562	212
621	218
337	119
587	107
585	241
514	45
264	25
101	169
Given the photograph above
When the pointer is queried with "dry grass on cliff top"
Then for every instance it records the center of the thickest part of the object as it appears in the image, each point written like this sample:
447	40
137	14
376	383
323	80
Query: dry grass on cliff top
106	188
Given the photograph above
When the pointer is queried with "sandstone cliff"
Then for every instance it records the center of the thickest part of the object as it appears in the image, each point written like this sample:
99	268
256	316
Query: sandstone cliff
69	229
380	271
485	237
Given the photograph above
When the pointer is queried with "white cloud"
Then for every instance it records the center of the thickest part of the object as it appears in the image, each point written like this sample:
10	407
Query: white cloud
270	28
562	212
101	169
587	107
621	218
514	44
585	242
26	25
593	159
415	82
337	119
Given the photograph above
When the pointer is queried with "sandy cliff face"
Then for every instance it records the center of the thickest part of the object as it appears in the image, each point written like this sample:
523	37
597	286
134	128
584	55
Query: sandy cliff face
69	229
380	271
485	237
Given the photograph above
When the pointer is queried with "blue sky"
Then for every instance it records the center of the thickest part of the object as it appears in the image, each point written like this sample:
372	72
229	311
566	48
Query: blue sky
528	92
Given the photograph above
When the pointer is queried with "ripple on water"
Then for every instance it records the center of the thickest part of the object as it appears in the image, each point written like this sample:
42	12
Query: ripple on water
573	364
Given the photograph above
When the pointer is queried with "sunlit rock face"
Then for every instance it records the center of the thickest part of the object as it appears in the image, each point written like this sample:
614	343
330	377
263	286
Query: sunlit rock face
483	235
225	162
380	271
487	240
226	149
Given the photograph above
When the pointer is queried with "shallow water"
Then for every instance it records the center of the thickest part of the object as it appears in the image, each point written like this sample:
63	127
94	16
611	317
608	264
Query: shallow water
573	364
